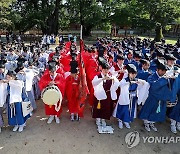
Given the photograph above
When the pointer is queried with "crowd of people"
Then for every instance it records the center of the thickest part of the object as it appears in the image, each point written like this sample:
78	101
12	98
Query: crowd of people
126	79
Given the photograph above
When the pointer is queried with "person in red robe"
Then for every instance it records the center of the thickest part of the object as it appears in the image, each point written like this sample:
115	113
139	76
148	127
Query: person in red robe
92	69
59	68
72	90
56	54
65	59
49	79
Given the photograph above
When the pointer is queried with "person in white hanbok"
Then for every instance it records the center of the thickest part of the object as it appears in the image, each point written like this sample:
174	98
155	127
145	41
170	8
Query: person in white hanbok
105	88
133	91
16	94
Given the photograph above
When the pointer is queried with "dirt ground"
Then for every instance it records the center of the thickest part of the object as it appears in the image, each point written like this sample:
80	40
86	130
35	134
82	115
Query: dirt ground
79	137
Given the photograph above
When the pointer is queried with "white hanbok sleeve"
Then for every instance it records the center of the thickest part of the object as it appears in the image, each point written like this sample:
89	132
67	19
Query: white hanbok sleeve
142	91
3	93
99	91
125	74
114	87
124	95
16	87
112	71
29	79
96	81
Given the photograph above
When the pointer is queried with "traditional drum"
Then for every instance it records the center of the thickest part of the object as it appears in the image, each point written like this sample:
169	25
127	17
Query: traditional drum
51	95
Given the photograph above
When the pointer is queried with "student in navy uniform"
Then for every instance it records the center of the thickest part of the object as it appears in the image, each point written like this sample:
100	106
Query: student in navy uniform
129	59
173	81
159	55
154	109
137	58
145	72
174	114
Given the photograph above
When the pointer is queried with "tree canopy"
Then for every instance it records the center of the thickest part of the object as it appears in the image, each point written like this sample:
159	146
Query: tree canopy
53	15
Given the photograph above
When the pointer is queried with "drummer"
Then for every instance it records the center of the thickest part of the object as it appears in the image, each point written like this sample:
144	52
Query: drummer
49	79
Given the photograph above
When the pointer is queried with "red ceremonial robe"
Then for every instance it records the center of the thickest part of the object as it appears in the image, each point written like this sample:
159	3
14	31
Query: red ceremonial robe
44	82
51	55
91	71
72	94
65	61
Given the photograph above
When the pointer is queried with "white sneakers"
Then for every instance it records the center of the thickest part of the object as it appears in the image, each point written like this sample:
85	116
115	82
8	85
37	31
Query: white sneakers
77	117
126	124
20	128
173	129
74	117
120	124
178	126
100	122
15	128
51	118
103	122
153	127
57	119
147	127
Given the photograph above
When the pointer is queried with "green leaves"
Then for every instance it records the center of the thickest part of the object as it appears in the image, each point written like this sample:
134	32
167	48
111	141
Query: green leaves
47	15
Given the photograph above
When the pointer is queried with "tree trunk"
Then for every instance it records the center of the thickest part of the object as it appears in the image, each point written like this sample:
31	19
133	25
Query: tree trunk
87	31
159	34
52	25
